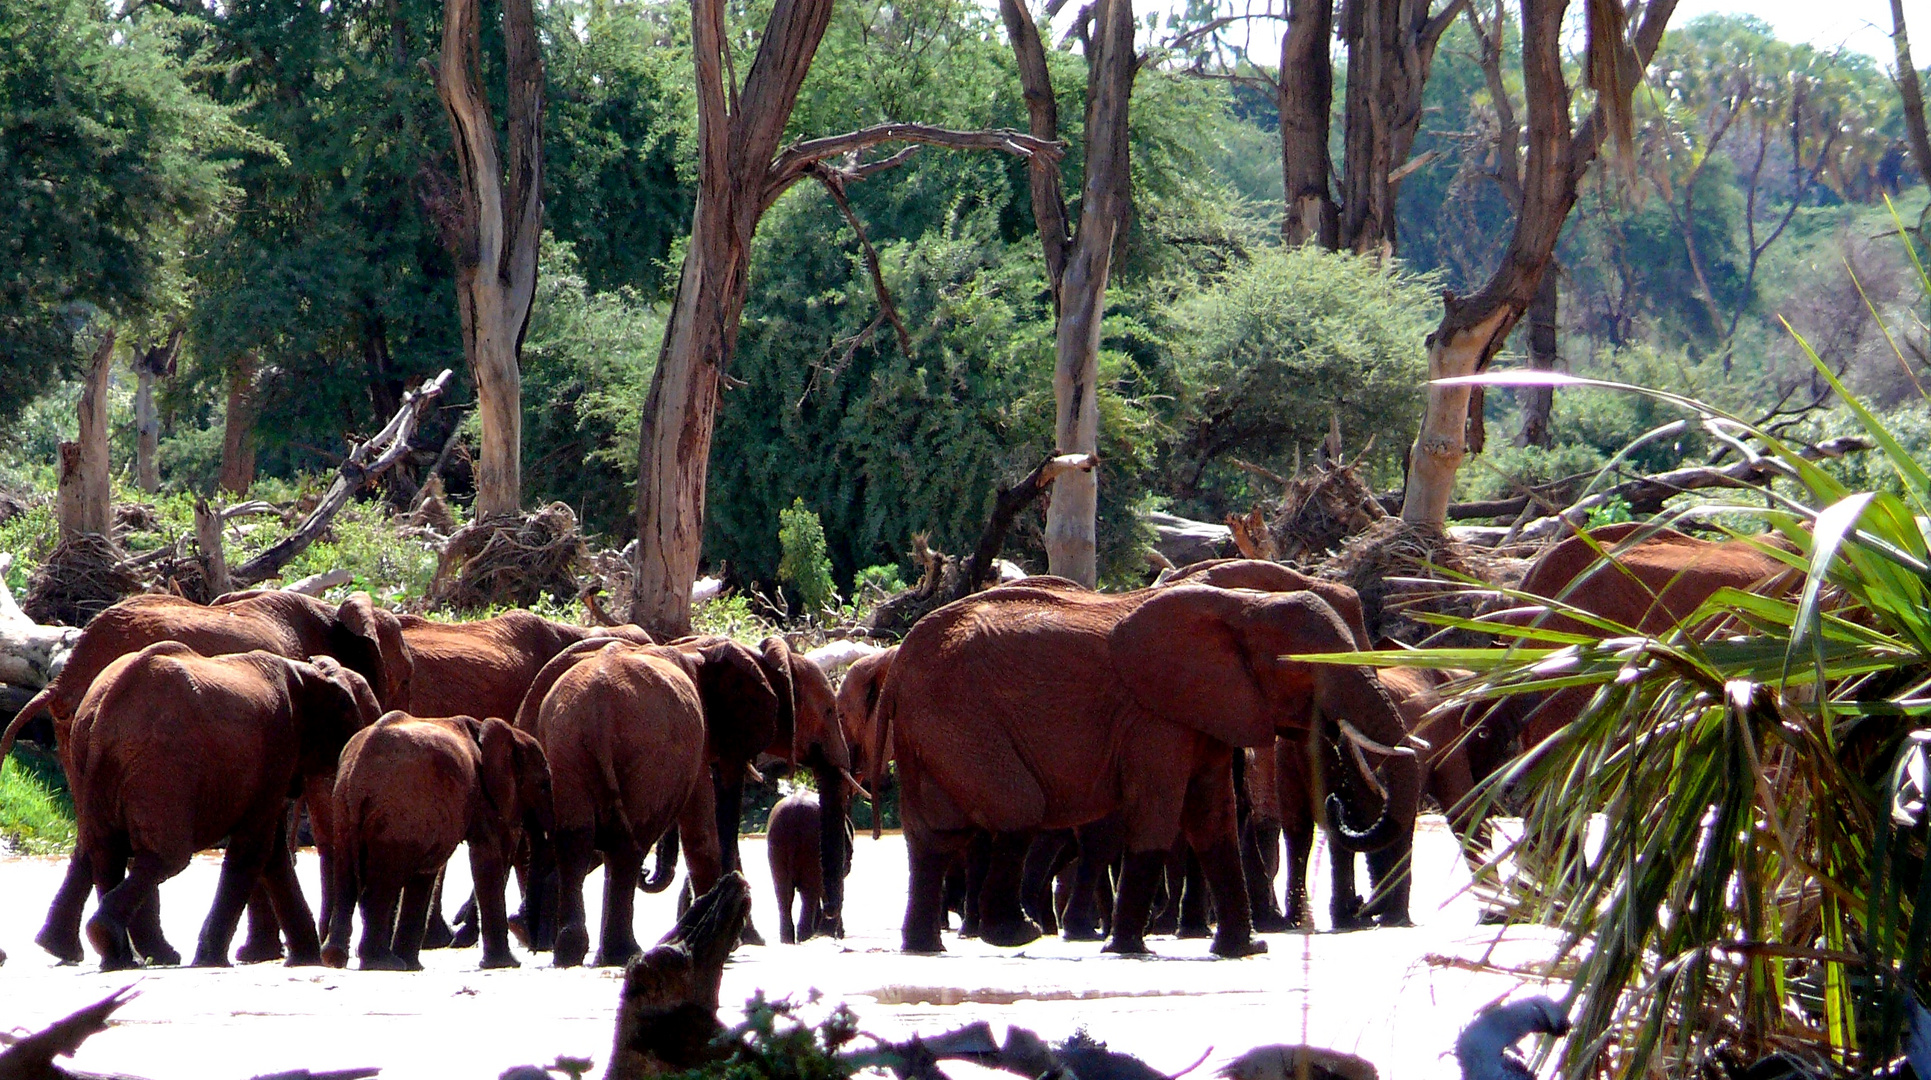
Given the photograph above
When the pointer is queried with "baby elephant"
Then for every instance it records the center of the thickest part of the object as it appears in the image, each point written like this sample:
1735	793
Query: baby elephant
409	790
791	843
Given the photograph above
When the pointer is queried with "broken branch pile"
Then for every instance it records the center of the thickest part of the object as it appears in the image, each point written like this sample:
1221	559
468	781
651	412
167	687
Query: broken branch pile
511	559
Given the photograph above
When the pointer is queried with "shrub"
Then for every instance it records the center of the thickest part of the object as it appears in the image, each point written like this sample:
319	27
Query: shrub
802	561
36	815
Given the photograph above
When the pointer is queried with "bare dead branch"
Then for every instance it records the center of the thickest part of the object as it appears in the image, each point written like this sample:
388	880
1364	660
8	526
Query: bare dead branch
835	186
794	161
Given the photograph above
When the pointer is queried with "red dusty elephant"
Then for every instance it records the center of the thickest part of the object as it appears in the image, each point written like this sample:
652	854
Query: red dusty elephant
408	790
791	839
857	704
624	728
483	668
175	751
1022	709
1658	578
361	636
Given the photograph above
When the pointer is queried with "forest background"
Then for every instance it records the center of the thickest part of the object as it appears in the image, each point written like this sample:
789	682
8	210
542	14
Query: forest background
250	199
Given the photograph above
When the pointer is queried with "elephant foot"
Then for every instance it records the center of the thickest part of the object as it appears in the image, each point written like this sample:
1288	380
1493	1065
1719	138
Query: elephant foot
303	958
519	929
1127	947
1272	922
335	956
465	936
505	960
572	945
164	956
1395	919
1082	933
62	946
750	936
616	957
384	962
211	960
1231	948
1022	931
438	936
1347	924
1195	932
256	952
921	945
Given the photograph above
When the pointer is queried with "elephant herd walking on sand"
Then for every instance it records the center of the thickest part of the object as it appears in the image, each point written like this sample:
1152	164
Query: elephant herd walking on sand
1121	743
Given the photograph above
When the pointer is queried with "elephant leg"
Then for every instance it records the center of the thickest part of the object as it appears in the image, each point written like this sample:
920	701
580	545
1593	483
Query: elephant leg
787	891
290	907
574	851
1207	816
955	893
436	932
978	863
1002	921
1256	838
412	918
1344	902
1138	878
811	914
343	889
149	941
623	860
381	895
1195	921
463	929
264	940
1099	846
928	855
60	934
489	869
241	871
1388	872
1166	908
1293	779
130	886
1042	861
730	804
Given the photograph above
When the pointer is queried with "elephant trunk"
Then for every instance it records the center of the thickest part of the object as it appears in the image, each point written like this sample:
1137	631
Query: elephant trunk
1371	718
832	839
659	879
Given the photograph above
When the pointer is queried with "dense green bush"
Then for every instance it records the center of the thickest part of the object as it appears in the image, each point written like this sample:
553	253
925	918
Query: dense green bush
802	562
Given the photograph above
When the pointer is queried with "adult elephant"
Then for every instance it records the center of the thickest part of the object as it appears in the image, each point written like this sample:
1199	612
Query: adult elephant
1022	708
175	752
362	637
408	790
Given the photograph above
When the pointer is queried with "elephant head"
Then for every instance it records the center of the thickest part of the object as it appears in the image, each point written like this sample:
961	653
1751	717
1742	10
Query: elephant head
515	777
819	742
368	639
858	708
1212	659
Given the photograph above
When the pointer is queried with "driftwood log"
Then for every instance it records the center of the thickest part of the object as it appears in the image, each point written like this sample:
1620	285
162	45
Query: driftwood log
364	463
30	653
667	1013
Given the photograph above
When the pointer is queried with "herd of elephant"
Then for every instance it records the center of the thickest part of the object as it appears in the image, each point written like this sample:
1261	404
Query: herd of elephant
1062	757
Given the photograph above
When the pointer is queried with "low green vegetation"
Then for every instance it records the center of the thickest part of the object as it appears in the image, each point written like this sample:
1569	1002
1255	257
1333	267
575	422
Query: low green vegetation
36	815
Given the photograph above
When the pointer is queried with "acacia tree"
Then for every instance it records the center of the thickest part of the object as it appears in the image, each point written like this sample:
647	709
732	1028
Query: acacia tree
1077	266
742	171
1473	328
495	230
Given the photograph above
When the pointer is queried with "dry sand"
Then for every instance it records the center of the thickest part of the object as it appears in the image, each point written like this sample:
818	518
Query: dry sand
1383	994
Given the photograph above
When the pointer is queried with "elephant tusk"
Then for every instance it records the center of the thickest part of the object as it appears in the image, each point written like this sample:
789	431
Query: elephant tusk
752	774
856	786
1417	743
1354	735
1361	763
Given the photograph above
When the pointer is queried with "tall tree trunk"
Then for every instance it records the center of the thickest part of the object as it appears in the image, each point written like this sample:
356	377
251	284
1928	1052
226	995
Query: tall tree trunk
238	428
1072	515
1391	46
1473	328
734	155
1539	401
149	365
84	500
1305	101
1912	93
495	244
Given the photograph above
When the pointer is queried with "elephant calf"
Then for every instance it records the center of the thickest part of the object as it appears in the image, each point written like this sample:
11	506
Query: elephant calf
791	844
408	791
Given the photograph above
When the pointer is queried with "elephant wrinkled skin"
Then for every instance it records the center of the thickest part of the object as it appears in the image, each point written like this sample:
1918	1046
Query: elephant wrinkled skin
1082	704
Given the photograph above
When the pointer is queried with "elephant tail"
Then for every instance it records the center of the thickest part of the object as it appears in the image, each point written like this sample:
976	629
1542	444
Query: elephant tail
660	878
880	753
39	703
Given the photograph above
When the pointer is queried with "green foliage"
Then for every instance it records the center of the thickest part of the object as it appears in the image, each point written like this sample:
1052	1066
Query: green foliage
36	813
1265	356
1503	472
801	560
884	579
108	155
733	616
772	1044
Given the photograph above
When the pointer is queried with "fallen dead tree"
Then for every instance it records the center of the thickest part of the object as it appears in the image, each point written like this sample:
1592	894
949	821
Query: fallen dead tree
30	653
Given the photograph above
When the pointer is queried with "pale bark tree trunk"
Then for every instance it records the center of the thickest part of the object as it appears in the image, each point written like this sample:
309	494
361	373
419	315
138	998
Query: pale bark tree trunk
495	244
207	537
238	428
741	172
1913	94
1544	331
1391	46
1473	328
1305	100
84	499
149	365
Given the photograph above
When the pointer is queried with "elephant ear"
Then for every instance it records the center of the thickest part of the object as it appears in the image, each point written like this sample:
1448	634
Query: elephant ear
330	704
1183	657
740	709
496	774
372	647
364	706
814	710
775	654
